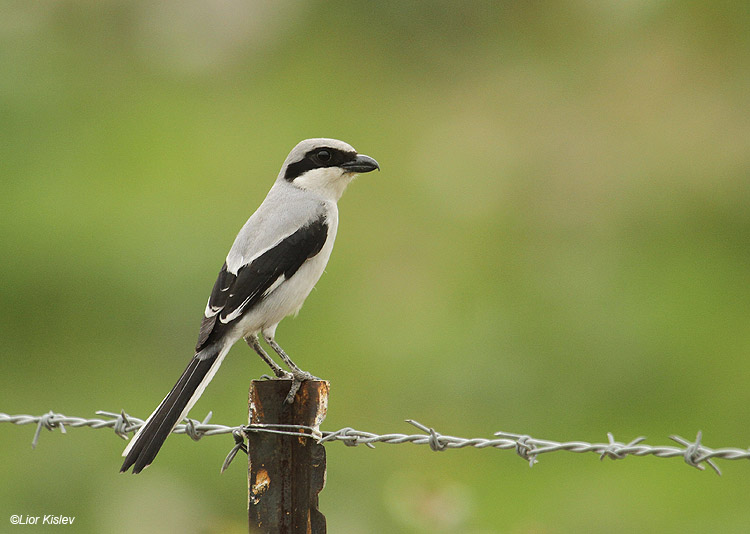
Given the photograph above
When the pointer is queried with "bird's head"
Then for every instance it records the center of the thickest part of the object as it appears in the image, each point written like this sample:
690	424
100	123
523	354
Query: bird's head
324	166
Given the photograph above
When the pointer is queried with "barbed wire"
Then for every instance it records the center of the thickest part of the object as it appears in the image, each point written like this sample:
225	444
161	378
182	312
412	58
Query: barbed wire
694	453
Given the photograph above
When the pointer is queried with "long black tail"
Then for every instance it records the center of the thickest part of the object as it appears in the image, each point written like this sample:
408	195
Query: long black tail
147	442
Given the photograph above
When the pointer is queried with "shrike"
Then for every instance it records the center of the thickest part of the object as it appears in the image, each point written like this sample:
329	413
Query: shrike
275	261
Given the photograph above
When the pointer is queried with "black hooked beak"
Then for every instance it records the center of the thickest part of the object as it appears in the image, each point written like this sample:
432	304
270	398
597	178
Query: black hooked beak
361	163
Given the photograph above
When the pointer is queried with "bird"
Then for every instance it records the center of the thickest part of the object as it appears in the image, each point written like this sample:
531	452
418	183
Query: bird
277	258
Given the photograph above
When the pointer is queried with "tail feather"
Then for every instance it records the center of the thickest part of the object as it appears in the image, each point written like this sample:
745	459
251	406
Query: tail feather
146	443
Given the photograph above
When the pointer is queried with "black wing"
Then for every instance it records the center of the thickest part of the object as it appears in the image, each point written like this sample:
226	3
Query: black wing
235	295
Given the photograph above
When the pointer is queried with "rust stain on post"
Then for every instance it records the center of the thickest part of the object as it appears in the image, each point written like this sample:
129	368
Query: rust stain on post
261	485
286	474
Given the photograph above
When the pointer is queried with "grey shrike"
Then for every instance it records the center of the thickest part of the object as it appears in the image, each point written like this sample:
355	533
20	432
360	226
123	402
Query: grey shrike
275	261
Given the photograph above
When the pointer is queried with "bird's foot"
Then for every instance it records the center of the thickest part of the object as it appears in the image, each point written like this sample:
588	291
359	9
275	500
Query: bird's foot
283	375
298	376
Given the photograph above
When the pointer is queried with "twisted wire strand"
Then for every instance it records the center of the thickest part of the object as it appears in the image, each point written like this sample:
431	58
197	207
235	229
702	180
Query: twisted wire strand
694	453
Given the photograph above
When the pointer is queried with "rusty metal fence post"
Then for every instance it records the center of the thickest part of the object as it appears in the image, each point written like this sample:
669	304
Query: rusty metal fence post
286	473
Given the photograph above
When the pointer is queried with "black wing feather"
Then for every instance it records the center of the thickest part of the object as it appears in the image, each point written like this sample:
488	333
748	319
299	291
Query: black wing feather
252	280
216	302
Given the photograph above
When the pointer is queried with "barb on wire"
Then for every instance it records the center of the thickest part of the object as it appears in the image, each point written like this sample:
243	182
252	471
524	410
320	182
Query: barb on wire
525	449
694	453
194	429
239	445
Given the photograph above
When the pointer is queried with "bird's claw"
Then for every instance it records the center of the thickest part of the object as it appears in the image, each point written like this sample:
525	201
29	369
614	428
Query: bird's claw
283	376
298	377
280	375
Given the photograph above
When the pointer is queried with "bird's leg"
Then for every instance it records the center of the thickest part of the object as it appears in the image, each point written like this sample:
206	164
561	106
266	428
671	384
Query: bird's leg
298	375
253	341
287	360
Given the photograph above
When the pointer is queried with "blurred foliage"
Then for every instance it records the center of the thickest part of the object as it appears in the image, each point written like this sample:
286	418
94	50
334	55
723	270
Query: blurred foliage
558	244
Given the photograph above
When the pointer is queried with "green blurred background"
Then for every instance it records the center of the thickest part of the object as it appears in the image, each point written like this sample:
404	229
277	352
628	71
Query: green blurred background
558	244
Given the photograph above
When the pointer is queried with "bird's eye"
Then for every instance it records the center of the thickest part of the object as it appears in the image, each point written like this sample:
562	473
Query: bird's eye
324	156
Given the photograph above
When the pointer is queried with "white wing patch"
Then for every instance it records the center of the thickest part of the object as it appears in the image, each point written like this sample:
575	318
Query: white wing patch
210	310
238	311
280	280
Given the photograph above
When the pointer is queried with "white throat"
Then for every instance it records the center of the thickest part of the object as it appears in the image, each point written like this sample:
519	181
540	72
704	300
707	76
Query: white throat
328	182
